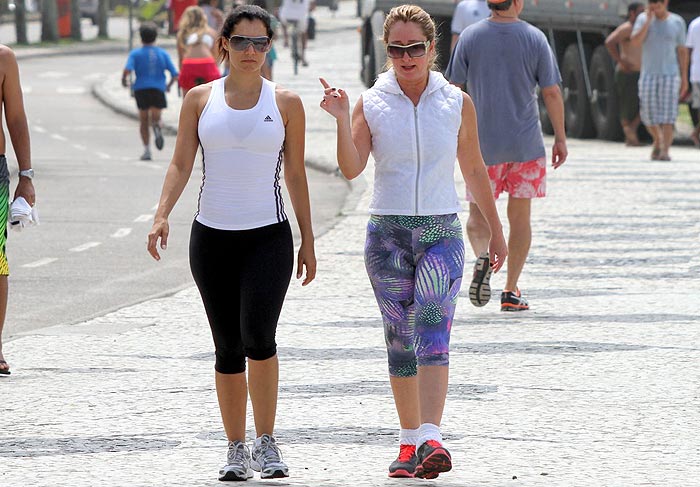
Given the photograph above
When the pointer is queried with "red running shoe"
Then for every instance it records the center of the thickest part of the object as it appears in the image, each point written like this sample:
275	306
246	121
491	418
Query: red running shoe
433	459
405	465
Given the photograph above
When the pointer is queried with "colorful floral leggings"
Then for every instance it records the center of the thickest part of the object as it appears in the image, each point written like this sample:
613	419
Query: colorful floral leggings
415	266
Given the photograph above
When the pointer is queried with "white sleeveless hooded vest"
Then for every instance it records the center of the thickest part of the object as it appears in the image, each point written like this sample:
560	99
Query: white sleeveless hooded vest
414	147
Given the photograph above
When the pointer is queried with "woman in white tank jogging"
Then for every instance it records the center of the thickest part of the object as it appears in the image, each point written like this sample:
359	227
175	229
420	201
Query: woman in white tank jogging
241	249
415	124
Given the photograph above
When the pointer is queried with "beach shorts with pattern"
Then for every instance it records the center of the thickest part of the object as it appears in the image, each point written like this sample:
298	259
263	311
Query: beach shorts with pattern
4	208
658	98
518	179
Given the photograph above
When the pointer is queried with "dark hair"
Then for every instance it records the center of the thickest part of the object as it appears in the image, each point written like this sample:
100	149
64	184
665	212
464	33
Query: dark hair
148	32
505	5
260	3
632	7
247	12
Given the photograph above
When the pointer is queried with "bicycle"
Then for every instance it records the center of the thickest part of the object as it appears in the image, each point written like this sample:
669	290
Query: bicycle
294	46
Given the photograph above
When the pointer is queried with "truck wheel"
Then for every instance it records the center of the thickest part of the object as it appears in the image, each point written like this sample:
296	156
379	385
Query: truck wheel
545	122
368	61
577	109
604	106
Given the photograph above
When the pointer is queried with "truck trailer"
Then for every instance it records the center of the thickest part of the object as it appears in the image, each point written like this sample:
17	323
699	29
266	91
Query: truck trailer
576	30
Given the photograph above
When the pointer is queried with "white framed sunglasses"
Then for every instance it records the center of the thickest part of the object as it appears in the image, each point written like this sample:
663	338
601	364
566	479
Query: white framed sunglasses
397	51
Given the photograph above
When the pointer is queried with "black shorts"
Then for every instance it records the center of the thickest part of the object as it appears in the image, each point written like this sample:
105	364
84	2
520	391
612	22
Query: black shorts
150	98
242	276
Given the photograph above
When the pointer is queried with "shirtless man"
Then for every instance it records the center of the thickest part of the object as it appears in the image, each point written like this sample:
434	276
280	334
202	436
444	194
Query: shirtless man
11	95
629	62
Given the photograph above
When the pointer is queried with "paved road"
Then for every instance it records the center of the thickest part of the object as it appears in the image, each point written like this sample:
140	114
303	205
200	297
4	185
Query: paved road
596	386
97	199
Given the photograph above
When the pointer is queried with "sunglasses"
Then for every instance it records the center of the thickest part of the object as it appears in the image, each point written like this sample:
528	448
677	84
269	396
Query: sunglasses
241	43
418	49
655	1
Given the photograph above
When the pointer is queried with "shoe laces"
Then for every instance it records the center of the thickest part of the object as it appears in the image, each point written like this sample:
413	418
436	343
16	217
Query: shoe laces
406	452
434	443
269	452
238	453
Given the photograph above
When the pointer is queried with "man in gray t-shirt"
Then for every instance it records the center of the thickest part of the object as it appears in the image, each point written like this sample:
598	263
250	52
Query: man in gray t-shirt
664	74
501	61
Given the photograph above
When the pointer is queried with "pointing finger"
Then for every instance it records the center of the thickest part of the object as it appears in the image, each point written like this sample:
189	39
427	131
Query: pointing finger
324	83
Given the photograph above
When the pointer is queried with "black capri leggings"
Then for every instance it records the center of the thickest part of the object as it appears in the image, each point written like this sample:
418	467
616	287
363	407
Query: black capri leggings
242	276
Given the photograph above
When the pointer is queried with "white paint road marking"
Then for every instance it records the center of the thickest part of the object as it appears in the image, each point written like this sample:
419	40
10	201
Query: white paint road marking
79	147
40	129
122	232
71	90
40	262
143	218
103	155
85	246
58	137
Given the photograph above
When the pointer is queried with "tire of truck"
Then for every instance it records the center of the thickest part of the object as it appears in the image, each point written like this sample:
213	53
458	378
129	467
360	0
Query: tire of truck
604	105
368	62
545	122
577	109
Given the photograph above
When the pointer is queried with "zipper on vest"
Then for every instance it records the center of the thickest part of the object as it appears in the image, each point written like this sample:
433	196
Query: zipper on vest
415	120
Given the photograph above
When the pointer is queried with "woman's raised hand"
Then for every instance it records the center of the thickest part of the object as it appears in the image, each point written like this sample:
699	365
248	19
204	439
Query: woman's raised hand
335	101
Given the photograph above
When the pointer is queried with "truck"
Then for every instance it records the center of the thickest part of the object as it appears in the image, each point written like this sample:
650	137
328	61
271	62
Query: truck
576	30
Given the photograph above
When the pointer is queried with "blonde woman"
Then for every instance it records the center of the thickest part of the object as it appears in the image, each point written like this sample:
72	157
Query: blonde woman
414	250
196	50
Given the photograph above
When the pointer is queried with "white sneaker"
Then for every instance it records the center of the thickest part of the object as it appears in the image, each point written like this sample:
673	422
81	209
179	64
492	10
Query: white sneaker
267	459
146	156
237	462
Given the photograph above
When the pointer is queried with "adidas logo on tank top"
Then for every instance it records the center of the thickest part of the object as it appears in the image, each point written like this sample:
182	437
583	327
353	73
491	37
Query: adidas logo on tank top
268	119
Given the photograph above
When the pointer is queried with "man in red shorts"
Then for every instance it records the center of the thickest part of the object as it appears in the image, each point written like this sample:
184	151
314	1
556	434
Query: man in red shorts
501	62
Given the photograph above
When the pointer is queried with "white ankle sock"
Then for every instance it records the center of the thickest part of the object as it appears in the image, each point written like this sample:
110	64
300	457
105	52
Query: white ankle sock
429	431
408	437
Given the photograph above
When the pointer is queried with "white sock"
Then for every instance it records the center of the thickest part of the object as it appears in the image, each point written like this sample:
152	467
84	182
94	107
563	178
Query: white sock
146	148
429	431
408	437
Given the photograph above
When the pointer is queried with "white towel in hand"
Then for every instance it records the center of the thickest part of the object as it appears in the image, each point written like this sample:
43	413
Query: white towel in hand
22	215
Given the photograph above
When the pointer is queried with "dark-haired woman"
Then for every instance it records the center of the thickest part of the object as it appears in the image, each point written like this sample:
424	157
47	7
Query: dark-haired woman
241	249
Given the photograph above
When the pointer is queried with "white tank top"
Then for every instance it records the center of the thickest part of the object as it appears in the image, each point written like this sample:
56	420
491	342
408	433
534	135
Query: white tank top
242	161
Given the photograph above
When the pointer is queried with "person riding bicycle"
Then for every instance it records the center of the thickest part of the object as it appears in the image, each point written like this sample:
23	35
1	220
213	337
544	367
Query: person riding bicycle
296	12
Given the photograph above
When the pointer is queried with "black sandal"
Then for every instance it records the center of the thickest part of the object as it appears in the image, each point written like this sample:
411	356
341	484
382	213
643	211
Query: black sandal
4	371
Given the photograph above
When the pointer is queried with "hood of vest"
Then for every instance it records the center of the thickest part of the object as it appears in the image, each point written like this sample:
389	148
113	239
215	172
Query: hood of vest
387	82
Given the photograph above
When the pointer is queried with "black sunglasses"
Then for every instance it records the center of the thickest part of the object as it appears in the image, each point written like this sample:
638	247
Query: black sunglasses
396	51
241	43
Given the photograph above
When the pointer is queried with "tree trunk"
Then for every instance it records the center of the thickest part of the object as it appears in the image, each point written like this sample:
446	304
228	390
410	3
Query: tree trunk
102	14
49	21
21	23
75	32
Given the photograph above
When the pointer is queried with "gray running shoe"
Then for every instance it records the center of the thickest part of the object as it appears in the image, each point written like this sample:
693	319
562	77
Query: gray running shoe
146	156
158	135
237	462
267	459
480	288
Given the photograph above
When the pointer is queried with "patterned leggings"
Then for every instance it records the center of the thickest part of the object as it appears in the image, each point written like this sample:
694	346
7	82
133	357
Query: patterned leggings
415	266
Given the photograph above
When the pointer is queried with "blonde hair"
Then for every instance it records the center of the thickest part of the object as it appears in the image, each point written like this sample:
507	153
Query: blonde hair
412	13
193	20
